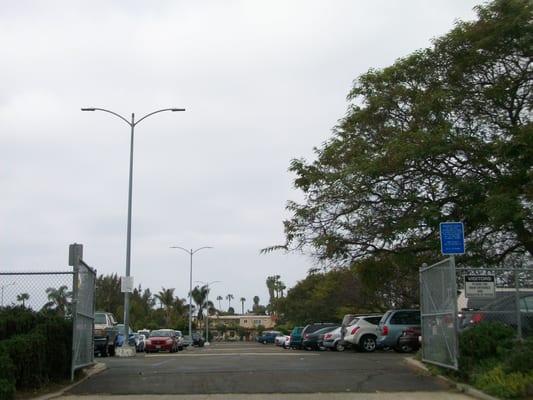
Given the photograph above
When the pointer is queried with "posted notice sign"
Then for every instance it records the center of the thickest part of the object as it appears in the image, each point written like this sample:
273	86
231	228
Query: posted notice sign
452	238
479	286
126	284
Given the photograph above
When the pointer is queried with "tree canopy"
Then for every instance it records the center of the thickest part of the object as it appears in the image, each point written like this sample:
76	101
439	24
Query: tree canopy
444	134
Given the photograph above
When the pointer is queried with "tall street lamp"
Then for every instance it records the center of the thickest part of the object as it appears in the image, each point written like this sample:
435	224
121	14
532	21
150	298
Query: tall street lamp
207	313
191	252
132	125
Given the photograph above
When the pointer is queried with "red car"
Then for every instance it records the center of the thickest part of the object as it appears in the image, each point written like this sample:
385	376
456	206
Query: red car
161	340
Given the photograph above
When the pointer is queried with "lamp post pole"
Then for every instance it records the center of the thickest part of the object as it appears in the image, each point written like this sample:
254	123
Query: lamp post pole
191	252
207	308
132	125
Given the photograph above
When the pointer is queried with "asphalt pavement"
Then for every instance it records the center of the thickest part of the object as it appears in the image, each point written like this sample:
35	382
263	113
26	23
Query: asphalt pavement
249	368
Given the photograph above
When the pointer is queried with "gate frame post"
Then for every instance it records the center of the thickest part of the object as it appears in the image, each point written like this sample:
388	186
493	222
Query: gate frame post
75	255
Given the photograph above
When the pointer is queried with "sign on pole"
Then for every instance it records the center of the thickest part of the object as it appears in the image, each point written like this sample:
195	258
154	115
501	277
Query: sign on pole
480	286
452	238
126	284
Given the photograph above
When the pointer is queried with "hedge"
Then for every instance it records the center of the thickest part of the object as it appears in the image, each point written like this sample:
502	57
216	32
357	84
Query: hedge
35	349
492	360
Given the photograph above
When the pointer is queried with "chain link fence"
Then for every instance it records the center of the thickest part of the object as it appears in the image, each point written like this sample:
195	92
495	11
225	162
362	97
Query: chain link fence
499	294
69	294
38	291
438	310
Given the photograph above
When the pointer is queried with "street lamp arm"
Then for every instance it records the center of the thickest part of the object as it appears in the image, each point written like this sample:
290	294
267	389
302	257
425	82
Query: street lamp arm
182	248
108	111
201	248
158	111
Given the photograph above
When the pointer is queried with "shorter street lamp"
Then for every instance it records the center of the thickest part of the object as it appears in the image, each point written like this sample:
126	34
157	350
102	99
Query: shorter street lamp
190	252
207	314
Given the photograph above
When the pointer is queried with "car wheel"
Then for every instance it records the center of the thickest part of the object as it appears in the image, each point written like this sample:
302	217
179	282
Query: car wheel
367	344
339	346
403	348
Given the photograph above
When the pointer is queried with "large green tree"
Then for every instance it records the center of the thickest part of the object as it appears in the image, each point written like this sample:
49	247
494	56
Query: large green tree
328	296
444	134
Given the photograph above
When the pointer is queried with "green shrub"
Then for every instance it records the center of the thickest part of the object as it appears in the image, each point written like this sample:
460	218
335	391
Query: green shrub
7	389
27	353
16	320
7	377
520	359
58	347
508	386
488	340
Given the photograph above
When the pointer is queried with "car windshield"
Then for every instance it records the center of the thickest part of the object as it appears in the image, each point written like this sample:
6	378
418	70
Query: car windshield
99	319
161	334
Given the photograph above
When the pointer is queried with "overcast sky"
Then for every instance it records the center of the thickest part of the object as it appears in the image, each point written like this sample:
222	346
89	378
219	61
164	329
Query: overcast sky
262	81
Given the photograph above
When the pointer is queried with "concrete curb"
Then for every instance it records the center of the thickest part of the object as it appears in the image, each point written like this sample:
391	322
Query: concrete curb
461	387
90	371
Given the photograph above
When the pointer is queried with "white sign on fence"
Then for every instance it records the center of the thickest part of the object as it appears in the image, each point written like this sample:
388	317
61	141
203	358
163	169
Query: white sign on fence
126	284
480	286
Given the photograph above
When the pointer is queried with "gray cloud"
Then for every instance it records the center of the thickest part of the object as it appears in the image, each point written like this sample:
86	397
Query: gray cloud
263	82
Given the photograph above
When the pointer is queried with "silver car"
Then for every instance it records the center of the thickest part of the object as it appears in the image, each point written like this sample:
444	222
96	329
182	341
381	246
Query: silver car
333	340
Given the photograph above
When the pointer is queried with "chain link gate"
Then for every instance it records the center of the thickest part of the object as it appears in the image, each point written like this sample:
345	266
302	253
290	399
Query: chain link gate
438	310
74	294
83	317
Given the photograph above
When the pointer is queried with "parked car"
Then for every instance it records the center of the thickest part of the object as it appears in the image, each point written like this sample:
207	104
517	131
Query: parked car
268	337
287	344
363	332
280	340
311	328
161	340
296	337
313	341
392	325
333	340
140	339
410	338
179	339
187	341
122	336
197	339
502	309
105	333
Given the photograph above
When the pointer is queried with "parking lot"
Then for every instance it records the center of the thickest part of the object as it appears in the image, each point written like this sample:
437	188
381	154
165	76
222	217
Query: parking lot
247	367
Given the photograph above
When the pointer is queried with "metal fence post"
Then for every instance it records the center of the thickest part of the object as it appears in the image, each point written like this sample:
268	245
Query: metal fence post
75	254
518	313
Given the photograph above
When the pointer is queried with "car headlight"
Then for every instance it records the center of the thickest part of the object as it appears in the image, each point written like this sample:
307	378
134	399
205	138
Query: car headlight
147	341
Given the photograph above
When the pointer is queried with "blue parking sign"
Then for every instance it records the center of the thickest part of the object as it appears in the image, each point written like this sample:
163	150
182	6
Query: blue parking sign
452	238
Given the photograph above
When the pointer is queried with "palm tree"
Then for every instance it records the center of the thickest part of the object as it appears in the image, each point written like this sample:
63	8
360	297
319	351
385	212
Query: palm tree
242	302
23	297
199	295
220	298
229	297
256	304
58	300
166	298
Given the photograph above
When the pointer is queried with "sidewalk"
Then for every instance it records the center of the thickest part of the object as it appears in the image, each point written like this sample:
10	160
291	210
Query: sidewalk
288	396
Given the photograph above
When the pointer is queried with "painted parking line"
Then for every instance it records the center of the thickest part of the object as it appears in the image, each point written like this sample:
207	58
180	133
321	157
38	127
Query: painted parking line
231	354
233	349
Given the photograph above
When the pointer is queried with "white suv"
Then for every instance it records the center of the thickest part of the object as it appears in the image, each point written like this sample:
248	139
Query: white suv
363	332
